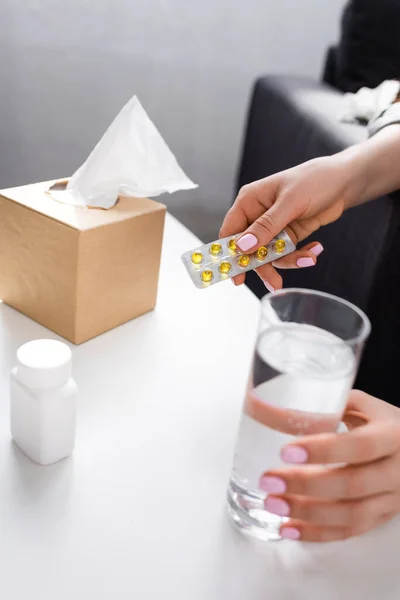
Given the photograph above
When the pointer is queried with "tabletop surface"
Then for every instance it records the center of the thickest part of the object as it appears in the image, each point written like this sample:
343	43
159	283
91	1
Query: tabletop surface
139	512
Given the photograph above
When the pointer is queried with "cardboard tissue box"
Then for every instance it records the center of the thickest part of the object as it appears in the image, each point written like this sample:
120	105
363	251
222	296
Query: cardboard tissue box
80	270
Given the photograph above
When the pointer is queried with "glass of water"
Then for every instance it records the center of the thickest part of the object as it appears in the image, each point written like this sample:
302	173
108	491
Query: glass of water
305	362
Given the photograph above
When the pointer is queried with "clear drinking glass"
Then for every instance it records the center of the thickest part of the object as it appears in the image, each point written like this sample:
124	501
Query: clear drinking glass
305	362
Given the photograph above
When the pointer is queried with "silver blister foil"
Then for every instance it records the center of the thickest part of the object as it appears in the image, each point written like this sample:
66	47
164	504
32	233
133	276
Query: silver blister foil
220	260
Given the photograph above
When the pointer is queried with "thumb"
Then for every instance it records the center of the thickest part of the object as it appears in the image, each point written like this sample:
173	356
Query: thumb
368	406
266	227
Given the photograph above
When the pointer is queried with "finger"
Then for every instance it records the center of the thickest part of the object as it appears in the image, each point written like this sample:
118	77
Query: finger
290	421
336	483
306	257
270	277
267	226
354	419
235	221
371	408
360	445
348	513
308	532
252	201
239	279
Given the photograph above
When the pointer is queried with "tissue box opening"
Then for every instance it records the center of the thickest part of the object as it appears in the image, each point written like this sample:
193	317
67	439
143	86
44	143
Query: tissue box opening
79	272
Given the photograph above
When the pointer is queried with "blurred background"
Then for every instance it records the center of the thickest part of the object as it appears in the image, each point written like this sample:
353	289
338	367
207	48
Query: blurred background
68	67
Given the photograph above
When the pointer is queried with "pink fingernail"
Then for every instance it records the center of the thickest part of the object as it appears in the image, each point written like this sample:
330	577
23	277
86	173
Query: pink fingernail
305	262
246	242
276	506
294	454
290	533
317	249
269	287
272	485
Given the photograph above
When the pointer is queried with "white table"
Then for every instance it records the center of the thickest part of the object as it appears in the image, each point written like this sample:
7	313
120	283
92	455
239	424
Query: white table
139	511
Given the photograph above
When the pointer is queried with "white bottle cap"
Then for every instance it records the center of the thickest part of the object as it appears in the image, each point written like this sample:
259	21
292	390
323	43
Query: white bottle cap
44	364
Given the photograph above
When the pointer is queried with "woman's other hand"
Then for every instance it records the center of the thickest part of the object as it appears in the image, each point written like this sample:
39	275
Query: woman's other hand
327	503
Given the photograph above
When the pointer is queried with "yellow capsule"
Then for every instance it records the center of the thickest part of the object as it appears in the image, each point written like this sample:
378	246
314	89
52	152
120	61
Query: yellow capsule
215	249
232	245
280	245
244	261
197	258
225	268
262	253
207	276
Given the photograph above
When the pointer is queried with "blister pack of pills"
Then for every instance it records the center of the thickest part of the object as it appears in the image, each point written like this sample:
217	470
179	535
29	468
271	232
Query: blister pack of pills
220	260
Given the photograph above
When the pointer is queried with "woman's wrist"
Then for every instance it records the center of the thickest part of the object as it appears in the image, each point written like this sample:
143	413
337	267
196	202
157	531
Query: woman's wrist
353	168
372	168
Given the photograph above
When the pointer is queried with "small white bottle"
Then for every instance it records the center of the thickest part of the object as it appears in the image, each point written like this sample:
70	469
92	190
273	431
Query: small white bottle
43	401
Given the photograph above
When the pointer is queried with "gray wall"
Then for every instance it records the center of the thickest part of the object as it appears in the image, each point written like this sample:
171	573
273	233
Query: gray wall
67	67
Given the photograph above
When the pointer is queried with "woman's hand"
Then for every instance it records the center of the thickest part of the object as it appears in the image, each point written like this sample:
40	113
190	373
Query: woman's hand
315	193
327	503
299	200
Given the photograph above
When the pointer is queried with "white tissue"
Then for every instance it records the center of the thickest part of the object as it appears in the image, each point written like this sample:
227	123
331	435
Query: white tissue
131	159
367	103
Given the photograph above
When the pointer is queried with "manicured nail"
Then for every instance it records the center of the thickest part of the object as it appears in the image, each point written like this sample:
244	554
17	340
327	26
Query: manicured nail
276	506
290	533
269	287
246	242
305	262
272	485
317	249
295	454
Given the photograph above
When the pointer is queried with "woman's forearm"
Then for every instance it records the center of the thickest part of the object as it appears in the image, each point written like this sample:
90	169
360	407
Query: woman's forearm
372	168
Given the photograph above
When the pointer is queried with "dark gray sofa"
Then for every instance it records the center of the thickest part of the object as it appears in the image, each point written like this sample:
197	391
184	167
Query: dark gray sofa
294	119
